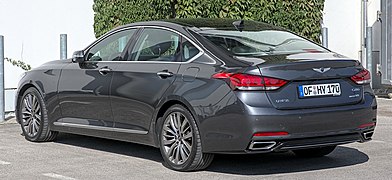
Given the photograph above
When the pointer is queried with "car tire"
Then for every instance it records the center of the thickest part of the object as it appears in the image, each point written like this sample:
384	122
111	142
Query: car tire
180	141
33	117
314	152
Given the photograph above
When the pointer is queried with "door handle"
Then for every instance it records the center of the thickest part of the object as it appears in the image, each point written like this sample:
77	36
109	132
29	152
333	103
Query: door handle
104	70
164	74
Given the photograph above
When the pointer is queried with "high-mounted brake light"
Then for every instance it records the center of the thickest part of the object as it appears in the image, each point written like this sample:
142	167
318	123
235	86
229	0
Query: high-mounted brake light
362	77
250	82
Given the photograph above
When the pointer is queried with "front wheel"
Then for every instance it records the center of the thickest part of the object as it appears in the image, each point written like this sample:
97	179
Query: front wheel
180	141
314	152
33	118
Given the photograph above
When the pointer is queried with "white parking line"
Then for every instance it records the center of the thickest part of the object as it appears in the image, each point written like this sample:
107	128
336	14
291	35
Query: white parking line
58	176
4	162
378	141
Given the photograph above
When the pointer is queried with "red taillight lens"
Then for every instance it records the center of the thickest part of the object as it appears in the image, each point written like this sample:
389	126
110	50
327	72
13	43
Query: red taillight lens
251	82
273	83
271	134
222	75
362	77
246	80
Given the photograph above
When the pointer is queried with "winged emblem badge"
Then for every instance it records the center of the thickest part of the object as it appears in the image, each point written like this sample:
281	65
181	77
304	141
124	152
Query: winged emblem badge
321	70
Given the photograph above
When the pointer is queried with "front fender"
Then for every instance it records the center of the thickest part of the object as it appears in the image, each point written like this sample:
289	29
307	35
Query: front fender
45	80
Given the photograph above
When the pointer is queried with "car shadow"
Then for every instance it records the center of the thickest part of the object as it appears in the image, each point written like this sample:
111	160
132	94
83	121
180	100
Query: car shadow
248	164
112	146
287	162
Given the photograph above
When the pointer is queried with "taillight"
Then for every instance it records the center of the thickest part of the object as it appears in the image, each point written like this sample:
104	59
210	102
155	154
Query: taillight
362	77
250	82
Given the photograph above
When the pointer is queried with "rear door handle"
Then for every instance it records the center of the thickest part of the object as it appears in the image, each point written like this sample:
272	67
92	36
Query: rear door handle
164	74
104	70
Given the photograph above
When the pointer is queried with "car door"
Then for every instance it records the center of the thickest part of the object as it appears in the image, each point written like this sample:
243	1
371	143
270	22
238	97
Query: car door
84	88
139	83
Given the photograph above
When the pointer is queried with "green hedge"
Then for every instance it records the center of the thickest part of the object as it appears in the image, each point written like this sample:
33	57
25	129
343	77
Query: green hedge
300	16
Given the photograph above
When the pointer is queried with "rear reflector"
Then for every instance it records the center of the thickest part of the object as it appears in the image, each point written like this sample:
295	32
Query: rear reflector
367	125
250	82
362	77
282	133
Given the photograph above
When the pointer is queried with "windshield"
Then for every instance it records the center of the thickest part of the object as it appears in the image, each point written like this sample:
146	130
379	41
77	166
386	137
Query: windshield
259	43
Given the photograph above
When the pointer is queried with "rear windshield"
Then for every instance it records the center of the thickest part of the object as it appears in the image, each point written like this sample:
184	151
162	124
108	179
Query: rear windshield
249	38
259	42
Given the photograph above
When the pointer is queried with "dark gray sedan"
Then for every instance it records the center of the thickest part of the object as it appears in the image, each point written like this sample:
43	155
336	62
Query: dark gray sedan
197	87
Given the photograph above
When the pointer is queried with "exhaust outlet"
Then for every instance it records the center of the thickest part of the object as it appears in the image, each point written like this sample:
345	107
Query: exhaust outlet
266	145
368	135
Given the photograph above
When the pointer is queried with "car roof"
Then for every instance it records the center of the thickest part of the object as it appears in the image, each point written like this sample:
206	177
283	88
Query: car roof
222	23
198	24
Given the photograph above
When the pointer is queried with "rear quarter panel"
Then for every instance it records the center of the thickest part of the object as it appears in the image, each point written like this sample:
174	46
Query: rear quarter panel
213	103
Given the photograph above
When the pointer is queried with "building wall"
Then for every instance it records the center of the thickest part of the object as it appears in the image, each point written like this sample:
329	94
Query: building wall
373	7
32	29
343	20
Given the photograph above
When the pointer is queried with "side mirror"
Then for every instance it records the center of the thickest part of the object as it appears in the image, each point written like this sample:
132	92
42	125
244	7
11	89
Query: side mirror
78	57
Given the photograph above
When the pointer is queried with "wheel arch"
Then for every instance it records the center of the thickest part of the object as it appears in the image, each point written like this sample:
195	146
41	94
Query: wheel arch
19	95
163	107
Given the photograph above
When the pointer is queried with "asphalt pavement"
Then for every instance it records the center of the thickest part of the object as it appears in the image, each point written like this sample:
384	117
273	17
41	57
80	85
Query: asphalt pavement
81	157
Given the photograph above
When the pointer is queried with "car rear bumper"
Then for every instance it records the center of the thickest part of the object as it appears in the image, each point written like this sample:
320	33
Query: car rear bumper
310	142
233	130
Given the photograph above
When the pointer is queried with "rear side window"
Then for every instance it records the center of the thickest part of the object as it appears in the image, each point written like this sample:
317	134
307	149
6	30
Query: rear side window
188	50
156	45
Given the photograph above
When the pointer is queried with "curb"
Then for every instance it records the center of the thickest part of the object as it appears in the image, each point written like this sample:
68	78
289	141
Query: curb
9	121
383	92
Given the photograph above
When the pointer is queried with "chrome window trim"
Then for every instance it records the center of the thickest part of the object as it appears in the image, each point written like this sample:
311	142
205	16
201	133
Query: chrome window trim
208	51
100	39
112	129
201	51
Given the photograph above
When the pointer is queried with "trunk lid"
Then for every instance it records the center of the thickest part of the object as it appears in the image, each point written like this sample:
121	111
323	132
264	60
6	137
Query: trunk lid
319	74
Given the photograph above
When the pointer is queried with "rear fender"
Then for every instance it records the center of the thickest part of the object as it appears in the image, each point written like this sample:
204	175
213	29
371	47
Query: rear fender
161	108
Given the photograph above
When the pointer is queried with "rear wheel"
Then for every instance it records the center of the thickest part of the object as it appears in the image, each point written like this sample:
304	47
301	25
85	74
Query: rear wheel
314	152
33	118
180	141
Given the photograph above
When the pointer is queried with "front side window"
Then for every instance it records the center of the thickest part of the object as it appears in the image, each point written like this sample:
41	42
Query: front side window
110	48
156	45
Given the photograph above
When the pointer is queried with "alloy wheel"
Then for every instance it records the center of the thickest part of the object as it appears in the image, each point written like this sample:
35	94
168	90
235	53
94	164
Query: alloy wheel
177	138
31	114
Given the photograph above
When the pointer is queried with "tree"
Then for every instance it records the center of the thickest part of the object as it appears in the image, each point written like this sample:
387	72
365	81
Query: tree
300	16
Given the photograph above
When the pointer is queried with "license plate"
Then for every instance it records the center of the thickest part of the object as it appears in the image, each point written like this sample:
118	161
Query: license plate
332	89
